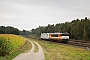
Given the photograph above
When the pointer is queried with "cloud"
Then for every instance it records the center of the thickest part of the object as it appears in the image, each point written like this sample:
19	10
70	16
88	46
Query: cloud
31	13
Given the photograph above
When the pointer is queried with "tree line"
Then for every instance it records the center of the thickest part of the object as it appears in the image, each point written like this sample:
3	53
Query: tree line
78	29
9	30
12	30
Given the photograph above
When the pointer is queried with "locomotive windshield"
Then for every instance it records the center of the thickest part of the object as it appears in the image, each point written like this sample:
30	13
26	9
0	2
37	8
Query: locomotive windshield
54	35
64	34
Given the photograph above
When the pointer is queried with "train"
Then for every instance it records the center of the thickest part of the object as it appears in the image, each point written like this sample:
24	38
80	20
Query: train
60	37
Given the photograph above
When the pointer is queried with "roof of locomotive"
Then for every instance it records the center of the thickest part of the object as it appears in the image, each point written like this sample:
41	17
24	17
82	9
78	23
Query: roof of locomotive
54	33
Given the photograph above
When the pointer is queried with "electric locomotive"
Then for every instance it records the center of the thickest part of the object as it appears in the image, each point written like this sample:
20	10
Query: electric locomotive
61	37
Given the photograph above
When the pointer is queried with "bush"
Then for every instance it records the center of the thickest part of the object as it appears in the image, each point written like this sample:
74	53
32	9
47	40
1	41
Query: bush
10	43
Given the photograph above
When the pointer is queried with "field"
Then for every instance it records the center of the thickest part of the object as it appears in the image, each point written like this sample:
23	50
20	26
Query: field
53	51
23	49
10	43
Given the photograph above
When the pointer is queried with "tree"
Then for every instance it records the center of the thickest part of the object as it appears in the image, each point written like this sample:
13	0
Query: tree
2	29
77	29
85	35
8	30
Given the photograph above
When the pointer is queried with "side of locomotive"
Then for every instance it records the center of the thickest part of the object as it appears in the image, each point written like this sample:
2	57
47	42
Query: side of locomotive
61	37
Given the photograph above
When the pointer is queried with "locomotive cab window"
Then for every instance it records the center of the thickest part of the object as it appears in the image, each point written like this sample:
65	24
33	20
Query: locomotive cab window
64	34
54	35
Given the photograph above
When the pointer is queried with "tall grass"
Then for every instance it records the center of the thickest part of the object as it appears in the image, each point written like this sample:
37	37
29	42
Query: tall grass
54	51
10	43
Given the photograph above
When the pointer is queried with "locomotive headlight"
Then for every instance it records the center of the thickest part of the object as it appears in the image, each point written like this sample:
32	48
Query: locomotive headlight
65	37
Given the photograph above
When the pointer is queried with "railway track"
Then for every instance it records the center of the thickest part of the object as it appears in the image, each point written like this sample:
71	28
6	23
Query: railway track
79	43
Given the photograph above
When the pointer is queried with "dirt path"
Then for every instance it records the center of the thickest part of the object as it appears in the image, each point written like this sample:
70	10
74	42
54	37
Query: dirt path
31	55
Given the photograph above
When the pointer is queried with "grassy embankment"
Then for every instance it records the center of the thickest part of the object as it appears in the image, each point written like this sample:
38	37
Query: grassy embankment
53	51
13	45
35	45
36	48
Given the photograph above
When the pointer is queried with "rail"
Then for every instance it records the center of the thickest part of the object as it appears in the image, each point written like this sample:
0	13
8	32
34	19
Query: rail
79	43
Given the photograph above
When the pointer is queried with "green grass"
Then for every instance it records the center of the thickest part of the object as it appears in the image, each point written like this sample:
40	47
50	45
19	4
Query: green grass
53	51
23	49
36	48
62	52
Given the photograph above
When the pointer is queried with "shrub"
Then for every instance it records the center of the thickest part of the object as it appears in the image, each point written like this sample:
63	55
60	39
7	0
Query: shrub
10	43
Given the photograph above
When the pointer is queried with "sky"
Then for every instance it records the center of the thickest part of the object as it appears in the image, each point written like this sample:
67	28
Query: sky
30	14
